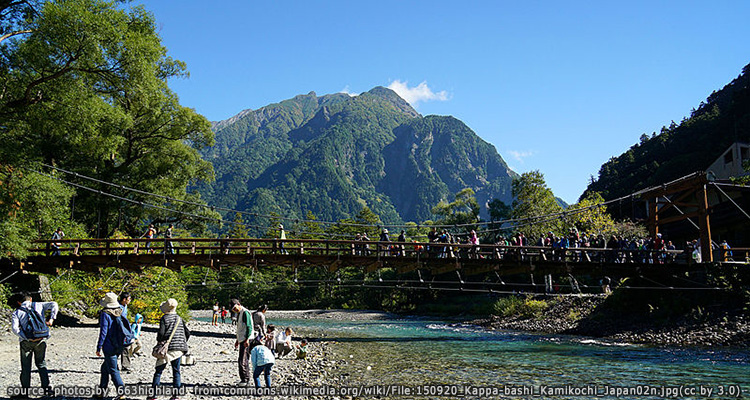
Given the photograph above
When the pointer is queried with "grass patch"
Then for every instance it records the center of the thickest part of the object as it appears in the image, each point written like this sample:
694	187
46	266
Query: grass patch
513	306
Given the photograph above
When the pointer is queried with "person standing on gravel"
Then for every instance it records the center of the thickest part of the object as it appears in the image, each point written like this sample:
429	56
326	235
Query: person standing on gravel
125	299
259	319
32	343
109	344
172	328
262	361
245	333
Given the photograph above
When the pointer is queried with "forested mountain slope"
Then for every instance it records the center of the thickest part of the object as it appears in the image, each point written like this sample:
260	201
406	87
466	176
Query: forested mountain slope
334	154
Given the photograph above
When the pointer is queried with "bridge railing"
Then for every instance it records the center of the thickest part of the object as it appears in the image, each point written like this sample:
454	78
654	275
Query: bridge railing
373	249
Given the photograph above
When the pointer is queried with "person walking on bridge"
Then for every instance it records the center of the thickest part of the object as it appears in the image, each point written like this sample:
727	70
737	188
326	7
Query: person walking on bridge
149	234
57	235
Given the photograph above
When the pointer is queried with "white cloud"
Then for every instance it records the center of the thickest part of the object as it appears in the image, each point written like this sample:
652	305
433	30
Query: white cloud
346	89
520	155
417	94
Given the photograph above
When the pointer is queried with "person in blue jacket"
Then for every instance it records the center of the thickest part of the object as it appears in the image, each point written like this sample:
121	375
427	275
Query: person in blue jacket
262	360
136	328
107	344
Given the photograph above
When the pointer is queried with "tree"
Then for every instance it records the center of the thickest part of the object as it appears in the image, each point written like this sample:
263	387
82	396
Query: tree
534	199
85	89
593	217
310	229
31	207
463	210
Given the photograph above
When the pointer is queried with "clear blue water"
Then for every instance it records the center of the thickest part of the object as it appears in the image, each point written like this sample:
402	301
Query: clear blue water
420	352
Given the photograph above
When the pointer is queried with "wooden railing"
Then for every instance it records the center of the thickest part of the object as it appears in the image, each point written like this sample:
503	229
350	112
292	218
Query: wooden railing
373	249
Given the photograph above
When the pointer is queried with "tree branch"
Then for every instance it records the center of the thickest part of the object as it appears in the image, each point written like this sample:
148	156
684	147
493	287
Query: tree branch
11	34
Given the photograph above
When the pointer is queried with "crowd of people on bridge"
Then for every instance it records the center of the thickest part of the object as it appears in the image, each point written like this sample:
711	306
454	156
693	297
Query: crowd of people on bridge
571	246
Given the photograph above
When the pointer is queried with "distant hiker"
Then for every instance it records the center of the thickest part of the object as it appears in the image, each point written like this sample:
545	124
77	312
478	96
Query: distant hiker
726	251
259	319
124	300
30	324
244	334
262	361
365	247
215	316
474	242
57	235
173	330
149	234
223	314
384	238
401	247
168	245
282	238
111	341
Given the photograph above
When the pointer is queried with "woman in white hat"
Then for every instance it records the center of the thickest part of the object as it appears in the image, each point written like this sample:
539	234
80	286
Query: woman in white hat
108	345
171	325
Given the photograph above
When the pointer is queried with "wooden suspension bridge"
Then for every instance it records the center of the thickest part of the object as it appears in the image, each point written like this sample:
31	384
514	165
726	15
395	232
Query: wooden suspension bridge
92	255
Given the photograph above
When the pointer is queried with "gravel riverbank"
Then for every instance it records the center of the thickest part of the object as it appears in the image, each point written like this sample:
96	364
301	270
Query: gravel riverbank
579	316
71	361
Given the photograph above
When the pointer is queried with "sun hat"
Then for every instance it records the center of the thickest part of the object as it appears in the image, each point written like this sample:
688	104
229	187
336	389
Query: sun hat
109	301
168	306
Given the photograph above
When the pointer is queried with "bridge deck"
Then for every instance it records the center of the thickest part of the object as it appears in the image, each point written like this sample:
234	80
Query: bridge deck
135	254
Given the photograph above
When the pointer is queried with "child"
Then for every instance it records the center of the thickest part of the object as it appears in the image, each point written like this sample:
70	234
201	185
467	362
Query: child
269	340
224	313
302	350
136	328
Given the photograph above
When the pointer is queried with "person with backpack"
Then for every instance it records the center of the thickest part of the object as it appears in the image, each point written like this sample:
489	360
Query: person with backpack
114	333
245	334
173	330
29	324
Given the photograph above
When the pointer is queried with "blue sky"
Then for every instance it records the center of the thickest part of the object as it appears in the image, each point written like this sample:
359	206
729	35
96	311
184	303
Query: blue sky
556	86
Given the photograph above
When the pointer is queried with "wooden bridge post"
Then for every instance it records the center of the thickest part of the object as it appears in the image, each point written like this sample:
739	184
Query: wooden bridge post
706	253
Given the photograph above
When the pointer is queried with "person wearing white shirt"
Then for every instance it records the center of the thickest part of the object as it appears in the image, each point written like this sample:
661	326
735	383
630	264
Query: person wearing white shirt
284	342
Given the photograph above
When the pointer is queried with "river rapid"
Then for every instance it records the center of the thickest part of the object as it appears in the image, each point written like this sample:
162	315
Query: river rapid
439	357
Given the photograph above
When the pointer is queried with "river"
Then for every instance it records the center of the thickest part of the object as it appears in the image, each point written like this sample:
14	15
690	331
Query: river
416	352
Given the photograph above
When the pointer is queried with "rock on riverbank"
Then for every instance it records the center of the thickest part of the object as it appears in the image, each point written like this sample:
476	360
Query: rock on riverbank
71	360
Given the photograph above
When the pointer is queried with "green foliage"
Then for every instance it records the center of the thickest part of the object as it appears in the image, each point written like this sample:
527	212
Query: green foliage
5	294
86	90
463	210
516	306
32	207
333	155
532	198
149	289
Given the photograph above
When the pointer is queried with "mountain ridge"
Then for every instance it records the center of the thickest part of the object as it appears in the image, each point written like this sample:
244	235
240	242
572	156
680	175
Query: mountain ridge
335	154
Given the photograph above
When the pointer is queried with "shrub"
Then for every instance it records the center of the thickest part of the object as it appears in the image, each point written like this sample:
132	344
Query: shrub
520	307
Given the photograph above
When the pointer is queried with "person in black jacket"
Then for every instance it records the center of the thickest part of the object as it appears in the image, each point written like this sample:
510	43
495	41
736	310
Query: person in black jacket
168	323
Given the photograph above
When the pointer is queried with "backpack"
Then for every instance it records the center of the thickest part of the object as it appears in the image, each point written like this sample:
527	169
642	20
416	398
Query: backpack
122	334
35	327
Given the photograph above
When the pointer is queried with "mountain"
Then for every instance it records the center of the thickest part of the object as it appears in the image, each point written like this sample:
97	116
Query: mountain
334	154
678	150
